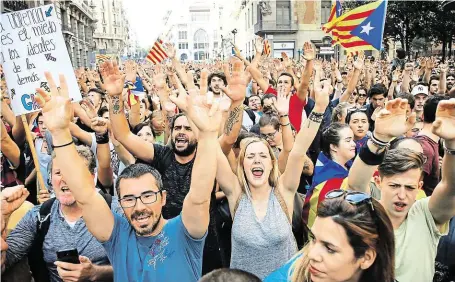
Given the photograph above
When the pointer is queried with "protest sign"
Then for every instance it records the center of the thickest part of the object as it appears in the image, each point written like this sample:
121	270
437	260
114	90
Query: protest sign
32	43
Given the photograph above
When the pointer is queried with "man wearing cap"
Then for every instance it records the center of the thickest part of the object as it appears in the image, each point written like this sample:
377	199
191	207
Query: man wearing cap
420	93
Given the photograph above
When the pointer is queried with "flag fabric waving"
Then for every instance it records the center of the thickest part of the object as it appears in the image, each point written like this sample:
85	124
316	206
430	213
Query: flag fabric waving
157	54
328	176
361	28
335	13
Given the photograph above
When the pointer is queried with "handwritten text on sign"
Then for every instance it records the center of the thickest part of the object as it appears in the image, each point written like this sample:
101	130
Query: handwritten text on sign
31	43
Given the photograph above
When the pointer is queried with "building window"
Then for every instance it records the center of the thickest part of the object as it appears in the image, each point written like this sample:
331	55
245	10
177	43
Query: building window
201	39
283	12
183	46
115	31
104	18
200	16
183	35
326	6
215	45
201	55
104	29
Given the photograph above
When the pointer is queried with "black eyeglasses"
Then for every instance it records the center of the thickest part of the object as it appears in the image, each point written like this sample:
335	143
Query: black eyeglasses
353	197
362	95
269	135
147	197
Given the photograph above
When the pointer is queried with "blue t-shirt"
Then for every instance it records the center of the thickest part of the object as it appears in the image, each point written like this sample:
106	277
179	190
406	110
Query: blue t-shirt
282	274
172	256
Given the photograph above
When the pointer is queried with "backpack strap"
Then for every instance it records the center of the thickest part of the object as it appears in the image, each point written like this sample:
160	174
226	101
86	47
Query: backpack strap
36	261
283	205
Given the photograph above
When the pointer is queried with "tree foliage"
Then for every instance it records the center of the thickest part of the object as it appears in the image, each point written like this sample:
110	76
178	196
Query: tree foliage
408	20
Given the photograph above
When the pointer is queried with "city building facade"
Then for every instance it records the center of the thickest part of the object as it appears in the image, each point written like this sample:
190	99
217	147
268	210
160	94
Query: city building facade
111	34
287	24
196	31
77	20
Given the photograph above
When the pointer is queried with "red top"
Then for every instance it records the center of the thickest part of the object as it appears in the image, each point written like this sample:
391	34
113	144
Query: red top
296	106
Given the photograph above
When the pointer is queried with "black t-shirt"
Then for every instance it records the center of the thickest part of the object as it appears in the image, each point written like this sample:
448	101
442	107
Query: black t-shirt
176	179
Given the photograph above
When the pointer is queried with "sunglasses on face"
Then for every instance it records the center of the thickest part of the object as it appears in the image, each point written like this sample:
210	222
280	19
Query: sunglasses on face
362	95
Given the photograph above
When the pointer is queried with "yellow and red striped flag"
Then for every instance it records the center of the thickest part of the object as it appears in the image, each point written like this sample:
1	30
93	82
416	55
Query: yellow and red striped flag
157	54
267	48
344	28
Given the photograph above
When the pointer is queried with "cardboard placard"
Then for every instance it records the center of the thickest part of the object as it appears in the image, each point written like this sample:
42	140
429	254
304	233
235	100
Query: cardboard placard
31	43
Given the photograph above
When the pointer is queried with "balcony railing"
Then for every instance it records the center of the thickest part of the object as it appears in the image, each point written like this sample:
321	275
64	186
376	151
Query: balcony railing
83	7
276	27
67	29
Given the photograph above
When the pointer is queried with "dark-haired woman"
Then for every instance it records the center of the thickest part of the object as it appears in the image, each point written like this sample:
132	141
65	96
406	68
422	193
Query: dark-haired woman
351	240
357	120
332	167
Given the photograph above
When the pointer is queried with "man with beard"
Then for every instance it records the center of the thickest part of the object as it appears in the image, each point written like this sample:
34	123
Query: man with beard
175	164
143	246
66	230
450	79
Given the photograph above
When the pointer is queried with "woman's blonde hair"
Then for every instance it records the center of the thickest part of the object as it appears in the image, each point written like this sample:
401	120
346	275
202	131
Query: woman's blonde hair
274	174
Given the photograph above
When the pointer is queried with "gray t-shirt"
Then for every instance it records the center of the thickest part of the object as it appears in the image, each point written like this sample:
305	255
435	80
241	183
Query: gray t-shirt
60	236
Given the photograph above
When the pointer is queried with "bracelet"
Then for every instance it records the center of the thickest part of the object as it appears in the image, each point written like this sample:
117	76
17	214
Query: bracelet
370	158
316	117
102	138
449	151
378	142
282	116
285	124
64	145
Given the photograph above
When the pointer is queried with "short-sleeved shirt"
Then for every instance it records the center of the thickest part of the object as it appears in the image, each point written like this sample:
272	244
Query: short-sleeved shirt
60	236
282	274
416	242
431	167
176	179
171	256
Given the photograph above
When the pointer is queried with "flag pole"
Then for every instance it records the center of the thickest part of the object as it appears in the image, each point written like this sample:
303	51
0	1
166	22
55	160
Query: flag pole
39	176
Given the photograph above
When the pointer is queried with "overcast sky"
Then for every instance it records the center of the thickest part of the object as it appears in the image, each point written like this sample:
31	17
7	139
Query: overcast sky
145	17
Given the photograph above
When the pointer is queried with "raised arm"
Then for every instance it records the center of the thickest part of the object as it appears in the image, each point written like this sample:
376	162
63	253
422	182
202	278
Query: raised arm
257	76
442	202
57	112
236	91
290	179
9	148
113	82
206	117
391	122
103	152
308	55
442	79
358	65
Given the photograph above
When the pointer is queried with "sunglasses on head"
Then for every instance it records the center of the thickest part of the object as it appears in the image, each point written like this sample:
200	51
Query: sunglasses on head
353	197
355	110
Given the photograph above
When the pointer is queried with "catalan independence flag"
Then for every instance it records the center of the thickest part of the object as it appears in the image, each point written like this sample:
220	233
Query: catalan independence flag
361	28
267	48
157	54
328	176
335	13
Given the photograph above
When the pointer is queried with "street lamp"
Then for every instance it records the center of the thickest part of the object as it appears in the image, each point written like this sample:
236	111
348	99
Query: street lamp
300	51
234	31
222	46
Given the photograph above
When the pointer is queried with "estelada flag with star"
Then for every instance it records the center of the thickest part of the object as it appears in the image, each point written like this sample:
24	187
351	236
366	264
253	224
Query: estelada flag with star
361	28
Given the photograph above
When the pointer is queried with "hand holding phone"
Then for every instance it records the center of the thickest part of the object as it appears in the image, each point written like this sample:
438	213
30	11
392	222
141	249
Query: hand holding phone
70	256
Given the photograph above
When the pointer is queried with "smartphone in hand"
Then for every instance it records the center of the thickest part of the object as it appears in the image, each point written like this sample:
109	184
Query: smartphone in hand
70	256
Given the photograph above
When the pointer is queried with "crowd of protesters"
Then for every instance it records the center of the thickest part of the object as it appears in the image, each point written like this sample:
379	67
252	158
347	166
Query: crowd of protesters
264	170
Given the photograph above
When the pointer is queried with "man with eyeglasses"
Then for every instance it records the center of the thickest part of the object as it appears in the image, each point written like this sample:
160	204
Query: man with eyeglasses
418	224
143	246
